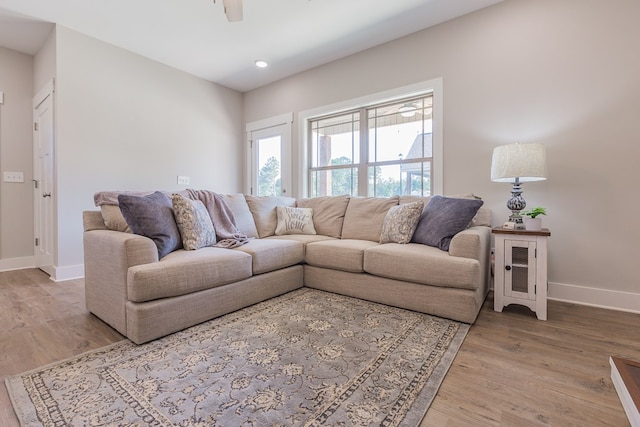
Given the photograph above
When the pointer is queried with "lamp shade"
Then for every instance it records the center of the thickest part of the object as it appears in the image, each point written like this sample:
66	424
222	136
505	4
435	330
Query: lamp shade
527	162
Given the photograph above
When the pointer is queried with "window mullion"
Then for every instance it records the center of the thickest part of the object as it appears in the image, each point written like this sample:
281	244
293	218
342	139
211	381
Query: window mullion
364	153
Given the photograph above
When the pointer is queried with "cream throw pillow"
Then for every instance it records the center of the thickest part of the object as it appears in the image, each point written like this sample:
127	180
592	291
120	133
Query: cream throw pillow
294	221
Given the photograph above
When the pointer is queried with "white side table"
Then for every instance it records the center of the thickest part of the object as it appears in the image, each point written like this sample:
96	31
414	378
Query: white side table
521	269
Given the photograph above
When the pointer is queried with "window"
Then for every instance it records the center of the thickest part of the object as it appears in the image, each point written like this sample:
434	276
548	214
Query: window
378	150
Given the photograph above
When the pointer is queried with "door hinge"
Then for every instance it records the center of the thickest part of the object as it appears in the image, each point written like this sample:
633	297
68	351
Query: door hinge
37	242
35	183
35	126
535	253
251	144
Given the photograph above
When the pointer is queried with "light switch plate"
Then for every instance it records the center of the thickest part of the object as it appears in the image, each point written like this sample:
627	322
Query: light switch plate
13	177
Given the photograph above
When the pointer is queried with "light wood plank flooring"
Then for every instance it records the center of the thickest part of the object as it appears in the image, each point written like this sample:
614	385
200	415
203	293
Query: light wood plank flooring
512	369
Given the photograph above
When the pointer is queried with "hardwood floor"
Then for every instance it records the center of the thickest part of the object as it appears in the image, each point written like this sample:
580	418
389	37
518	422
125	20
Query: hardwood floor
512	369
42	322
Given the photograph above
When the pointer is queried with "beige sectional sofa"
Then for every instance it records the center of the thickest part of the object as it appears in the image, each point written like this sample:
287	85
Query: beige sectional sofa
144	297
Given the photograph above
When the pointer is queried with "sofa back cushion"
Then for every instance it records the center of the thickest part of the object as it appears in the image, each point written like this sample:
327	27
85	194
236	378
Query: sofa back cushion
113	219
107	201
328	213
364	217
263	210
241	213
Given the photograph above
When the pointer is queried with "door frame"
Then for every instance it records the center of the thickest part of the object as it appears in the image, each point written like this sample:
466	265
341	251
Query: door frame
48	91
285	121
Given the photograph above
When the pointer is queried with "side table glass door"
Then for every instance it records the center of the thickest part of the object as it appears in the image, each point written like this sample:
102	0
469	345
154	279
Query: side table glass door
520	269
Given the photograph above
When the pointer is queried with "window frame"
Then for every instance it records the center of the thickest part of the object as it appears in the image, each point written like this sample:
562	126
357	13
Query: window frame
281	126
431	87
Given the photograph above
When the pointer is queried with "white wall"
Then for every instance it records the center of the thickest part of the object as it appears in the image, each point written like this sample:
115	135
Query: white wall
44	63
16	199
562	73
125	122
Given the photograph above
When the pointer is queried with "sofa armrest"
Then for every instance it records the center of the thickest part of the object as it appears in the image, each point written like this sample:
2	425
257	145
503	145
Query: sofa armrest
92	220
475	243
472	243
108	255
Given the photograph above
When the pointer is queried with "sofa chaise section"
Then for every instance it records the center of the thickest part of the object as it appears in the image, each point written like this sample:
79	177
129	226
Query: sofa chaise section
144	297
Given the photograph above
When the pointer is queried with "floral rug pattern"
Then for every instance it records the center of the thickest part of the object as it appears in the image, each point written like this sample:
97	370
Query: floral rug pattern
306	358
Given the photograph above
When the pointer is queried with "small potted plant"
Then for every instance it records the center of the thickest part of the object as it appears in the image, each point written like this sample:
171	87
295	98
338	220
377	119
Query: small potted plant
531	220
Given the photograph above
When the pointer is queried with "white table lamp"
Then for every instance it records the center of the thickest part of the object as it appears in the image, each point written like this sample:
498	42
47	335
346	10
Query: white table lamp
517	163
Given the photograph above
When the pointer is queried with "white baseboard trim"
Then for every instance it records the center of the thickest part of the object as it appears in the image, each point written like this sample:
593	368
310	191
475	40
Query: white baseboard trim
17	263
70	272
57	274
603	298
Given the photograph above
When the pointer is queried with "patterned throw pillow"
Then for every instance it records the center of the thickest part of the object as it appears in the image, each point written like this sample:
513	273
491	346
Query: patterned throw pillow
401	222
294	221
152	216
194	223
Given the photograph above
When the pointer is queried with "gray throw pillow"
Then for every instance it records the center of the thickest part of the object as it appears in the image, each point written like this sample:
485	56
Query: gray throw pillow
443	218
152	216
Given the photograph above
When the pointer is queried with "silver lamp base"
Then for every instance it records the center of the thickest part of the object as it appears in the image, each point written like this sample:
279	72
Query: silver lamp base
515	204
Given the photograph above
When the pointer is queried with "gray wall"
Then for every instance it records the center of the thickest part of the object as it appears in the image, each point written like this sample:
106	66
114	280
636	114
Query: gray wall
561	73
126	122
16	200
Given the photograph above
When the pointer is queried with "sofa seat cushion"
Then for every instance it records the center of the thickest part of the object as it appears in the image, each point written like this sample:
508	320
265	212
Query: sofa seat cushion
272	254
423	264
183	272
343	255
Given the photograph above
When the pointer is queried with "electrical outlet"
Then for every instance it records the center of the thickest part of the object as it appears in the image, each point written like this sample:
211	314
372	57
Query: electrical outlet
13	177
184	180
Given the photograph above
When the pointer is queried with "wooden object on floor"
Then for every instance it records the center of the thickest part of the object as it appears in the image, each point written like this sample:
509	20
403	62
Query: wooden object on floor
511	368
625	375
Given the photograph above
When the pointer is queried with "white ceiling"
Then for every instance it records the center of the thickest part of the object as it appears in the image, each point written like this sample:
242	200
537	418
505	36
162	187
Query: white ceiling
194	35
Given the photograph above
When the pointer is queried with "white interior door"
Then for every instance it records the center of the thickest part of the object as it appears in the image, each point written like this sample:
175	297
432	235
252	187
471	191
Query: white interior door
43	178
269	160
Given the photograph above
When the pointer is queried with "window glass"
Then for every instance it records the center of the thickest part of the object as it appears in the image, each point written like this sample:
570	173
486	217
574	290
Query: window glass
336	140
397	150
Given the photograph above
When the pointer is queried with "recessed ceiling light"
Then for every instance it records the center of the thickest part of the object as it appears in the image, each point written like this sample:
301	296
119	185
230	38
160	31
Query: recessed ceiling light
261	63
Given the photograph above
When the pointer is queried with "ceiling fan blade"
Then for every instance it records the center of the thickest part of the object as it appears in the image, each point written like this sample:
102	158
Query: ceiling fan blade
233	9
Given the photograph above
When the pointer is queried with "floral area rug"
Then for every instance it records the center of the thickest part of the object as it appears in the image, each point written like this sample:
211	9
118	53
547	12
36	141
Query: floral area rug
306	358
